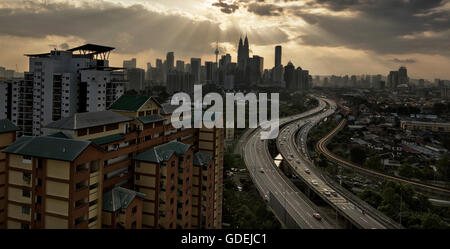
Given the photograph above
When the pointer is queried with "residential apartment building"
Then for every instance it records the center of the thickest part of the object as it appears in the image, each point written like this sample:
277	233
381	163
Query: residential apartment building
133	146
7	137
5	98
62	83
53	183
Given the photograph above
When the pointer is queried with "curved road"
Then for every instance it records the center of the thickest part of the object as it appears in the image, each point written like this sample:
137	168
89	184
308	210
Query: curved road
321	147
304	168
272	183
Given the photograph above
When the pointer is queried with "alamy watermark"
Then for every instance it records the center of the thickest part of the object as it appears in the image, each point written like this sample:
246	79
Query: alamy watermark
213	116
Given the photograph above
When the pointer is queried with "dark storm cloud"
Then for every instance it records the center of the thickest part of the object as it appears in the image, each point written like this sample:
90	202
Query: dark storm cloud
226	8
64	46
265	9
406	61
131	29
384	26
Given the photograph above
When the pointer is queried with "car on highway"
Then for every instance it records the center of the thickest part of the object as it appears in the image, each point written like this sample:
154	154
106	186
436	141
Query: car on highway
307	171
314	182
317	216
298	161
326	192
333	193
261	170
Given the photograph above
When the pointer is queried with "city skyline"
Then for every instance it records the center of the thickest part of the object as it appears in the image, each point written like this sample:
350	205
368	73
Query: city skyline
192	28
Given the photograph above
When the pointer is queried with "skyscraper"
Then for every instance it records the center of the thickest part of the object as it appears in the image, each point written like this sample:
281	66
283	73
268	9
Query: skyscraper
243	54
180	66
277	56
195	68
289	76
129	64
403	75
170	60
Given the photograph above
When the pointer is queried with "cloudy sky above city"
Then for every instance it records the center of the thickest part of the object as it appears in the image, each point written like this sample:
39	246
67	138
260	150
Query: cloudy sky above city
325	36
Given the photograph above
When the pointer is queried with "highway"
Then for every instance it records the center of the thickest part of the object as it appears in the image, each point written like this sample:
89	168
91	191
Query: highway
322	148
297	158
271	183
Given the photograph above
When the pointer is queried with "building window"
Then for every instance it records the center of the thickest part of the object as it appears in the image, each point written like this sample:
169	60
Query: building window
26	177
24	226
92	203
96	129
138	177
112	127
26	193
82	132
26	210
26	159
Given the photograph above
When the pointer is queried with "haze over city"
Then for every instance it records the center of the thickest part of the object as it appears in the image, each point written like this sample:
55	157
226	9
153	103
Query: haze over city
314	33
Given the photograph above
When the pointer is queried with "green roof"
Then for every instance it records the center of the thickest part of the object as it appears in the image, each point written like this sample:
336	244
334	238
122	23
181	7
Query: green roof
58	135
151	119
162	153
130	102
108	139
201	159
119	198
48	147
7	126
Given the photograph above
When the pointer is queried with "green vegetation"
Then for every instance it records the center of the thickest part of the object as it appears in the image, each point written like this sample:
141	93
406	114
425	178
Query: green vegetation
244	209
401	202
443	167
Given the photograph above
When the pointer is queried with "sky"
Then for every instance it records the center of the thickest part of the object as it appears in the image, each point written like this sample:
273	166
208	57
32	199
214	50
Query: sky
323	36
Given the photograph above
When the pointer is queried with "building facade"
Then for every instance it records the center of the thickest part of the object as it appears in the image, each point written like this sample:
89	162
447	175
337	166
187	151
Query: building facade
133	145
61	83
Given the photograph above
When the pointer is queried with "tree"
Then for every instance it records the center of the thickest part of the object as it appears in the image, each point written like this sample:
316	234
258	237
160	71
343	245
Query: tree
443	167
374	162
358	155
432	221
406	170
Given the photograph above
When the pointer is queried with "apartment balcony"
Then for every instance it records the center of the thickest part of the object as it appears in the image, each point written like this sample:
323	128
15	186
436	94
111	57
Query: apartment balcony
81	225
111	182
81	175
81	193
116	166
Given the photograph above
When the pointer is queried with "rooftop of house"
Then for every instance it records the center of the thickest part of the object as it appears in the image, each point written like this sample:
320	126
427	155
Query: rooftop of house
7	126
162	153
48	147
201	159
87	120
151	119
119	198
131	102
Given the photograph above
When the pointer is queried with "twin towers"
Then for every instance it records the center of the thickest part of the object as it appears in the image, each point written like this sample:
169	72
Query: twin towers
243	53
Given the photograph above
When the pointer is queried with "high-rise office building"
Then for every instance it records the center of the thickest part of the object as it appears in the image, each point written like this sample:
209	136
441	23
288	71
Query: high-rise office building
393	80
129	64
61	83
136	79
180	66
290	77
195	68
170	60
277	56
243	54
403	75
178	81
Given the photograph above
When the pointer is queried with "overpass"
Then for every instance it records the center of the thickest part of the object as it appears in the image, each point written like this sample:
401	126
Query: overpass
290	206
354	210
